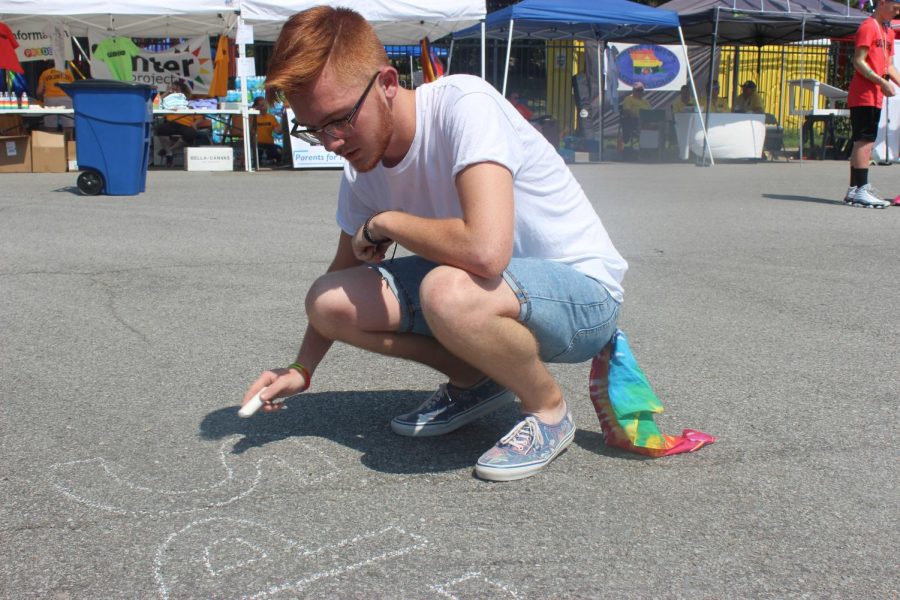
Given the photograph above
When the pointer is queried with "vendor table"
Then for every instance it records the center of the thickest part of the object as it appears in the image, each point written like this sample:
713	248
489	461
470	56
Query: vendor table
220	114
731	135
815	114
38	111
61	110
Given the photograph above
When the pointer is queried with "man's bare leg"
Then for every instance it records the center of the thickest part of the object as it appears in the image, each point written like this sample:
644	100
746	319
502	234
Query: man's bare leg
356	306
476	318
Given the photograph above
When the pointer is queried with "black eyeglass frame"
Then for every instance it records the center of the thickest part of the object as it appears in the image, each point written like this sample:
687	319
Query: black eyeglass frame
338	129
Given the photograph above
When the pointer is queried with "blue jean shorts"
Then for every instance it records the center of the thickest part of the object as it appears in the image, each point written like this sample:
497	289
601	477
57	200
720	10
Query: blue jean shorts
571	315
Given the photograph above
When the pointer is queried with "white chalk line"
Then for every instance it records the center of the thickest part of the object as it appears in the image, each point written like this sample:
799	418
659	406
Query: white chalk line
229	476
443	591
260	555
420	542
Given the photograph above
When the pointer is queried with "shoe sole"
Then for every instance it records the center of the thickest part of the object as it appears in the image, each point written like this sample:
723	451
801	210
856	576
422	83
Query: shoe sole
491	473
432	429
861	205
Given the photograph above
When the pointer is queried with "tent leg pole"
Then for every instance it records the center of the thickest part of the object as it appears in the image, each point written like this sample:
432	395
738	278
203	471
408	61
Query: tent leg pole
508	51
713	75
601	47
450	55
694	92
245	116
483	51
802	76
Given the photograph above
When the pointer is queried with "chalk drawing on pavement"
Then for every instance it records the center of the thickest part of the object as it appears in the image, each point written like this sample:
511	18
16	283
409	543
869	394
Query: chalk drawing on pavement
474	585
99	483
251	560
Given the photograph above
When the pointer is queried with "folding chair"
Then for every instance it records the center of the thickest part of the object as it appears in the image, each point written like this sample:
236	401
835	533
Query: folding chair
774	143
652	135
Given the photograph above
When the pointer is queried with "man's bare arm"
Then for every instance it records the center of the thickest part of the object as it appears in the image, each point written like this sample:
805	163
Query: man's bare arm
480	242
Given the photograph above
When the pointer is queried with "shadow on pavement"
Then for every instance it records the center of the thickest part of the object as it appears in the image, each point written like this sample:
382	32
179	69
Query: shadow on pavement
592	441
804	198
361	421
71	189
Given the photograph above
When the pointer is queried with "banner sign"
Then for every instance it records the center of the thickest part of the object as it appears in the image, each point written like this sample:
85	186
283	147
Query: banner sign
305	156
659	68
118	58
41	40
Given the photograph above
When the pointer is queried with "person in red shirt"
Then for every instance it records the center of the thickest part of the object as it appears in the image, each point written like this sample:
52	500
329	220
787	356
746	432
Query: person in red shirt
873	61
523	109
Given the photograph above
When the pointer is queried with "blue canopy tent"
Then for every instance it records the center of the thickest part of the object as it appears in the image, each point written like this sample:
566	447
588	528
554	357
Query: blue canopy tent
609	20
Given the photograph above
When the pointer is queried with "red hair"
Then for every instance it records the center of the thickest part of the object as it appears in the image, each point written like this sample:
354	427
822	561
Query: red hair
323	36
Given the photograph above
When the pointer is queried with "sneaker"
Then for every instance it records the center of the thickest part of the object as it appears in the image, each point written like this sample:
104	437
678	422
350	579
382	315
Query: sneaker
851	191
525	450
450	408
866	197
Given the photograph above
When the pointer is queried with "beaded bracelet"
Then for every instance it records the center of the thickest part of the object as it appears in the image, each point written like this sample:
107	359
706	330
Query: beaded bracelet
303	371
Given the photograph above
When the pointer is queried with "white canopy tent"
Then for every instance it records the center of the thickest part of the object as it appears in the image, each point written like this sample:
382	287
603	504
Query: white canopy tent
395	21
134	18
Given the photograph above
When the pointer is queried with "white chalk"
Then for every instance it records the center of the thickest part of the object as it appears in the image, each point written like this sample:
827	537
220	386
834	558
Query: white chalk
253	405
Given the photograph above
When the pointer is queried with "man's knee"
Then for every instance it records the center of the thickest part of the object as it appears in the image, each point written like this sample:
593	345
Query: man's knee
327	304
448	293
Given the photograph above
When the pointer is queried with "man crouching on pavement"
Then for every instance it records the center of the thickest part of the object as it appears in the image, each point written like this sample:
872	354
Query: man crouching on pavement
511	265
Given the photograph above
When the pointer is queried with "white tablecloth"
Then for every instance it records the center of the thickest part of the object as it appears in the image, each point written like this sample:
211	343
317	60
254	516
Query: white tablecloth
731	135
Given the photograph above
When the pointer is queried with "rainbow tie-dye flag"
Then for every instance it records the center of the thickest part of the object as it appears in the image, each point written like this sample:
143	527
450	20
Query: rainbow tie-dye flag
625	404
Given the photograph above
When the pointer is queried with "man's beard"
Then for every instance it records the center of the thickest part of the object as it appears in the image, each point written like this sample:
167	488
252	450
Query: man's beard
383	134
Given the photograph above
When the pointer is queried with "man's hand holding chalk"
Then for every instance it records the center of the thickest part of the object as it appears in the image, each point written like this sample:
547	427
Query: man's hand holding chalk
268	392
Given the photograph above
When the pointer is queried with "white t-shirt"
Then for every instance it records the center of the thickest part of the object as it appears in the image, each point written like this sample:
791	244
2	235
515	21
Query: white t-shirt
460	121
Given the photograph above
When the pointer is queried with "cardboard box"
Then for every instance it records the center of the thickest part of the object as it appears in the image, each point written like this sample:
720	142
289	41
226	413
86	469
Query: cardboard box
71	155
48	152
15	154
12	125
209	158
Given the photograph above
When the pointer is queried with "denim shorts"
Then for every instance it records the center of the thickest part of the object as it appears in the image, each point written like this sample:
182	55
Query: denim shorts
571	315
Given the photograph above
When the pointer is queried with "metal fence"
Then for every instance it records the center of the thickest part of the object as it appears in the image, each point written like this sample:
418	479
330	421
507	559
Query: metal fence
543	73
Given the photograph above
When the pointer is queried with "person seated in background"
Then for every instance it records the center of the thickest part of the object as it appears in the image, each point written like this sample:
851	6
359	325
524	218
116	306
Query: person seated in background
718	103
632	106
684	102
49	94
516	100
178	131
749	101
266	125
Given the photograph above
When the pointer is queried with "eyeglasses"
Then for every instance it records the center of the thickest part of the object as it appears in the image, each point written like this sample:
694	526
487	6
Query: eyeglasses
338	129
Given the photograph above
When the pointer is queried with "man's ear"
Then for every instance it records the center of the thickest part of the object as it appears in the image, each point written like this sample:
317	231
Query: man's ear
390	81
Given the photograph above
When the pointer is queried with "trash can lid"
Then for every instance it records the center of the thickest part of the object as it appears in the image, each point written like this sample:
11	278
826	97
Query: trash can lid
105	83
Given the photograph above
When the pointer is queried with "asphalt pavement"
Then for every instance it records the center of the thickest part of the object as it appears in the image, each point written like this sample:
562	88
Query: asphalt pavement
763	311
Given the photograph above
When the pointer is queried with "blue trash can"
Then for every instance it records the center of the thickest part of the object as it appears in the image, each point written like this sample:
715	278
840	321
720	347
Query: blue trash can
112	129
